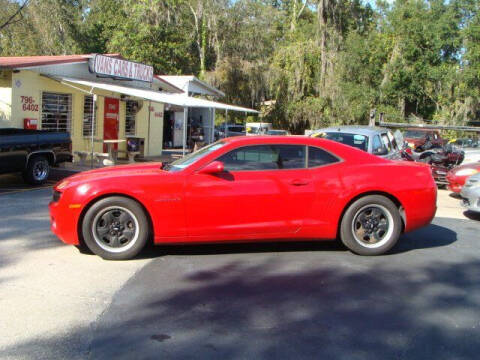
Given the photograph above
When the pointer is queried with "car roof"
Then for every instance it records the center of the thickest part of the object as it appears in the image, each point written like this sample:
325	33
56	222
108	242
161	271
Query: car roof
337	148
355	129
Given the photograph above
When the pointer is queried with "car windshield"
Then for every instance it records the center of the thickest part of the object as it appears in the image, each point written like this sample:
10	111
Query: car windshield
355	140
182	163
414	134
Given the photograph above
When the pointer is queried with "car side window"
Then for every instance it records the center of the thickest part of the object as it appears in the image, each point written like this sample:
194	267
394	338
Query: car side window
265	157
392	140
318	157
376	144
386	142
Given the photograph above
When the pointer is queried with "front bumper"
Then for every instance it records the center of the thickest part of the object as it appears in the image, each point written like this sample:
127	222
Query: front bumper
471	198
63	221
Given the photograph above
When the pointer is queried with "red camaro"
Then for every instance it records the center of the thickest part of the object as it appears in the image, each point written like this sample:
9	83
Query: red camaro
247	189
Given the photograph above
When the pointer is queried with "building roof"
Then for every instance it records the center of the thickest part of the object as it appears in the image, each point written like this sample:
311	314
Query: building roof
167	85
18	62
14	62
191	84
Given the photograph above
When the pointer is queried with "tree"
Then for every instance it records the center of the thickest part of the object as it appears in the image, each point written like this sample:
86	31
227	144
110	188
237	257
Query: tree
14	17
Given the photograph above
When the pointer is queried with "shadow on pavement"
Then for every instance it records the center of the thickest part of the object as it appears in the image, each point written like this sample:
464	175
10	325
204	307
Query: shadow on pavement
248	310
455	195
431	236
24	225
472	215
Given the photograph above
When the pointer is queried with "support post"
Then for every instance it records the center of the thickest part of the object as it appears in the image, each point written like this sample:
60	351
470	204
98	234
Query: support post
226	123
148	131
213	122
93	126
185	122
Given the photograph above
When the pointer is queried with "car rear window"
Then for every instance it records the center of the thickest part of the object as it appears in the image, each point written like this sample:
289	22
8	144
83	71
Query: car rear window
318	157
355	140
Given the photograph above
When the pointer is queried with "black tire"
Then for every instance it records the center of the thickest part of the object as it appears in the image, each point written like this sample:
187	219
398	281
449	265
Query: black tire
37	170
380	232
115	228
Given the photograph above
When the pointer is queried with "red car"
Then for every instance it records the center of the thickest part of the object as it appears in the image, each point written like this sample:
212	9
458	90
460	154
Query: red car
457	176
418	136
247	189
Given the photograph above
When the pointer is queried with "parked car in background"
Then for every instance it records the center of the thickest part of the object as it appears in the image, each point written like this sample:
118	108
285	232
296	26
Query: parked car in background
471	193
229	130
258	128
465	143
441	159
278	132
375	140
255	188
416	137
457	176
33	152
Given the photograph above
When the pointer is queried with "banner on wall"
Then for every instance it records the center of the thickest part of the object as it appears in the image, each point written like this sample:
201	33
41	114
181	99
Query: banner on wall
107	66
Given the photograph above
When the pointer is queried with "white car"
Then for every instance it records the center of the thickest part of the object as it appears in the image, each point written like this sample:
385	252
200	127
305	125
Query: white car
471	193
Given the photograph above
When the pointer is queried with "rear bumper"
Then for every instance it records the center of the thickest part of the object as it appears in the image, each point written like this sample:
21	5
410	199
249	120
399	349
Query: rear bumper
420	208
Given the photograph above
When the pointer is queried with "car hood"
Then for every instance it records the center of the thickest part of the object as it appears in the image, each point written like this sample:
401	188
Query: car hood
113	171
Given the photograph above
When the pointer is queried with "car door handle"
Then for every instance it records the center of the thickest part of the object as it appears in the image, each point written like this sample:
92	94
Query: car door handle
300	182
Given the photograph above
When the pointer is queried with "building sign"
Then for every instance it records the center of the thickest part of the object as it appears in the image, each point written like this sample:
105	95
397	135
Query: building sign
28	103
122	69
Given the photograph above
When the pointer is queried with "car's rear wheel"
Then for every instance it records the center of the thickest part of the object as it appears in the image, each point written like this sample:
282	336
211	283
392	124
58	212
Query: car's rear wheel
37	170
115	228
371	225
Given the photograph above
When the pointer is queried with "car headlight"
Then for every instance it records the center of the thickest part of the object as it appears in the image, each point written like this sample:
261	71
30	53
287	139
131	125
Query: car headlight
466	172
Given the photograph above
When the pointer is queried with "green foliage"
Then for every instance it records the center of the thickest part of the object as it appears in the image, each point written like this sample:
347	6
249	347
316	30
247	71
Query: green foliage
316	63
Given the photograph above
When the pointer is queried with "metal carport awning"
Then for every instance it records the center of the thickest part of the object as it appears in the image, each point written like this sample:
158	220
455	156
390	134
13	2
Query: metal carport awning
182	100
175	99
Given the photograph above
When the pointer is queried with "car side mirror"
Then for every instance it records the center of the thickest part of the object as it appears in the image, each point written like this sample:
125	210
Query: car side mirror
215	167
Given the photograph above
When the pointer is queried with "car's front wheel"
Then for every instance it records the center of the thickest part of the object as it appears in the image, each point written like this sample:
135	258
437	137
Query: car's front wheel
115	228
371	225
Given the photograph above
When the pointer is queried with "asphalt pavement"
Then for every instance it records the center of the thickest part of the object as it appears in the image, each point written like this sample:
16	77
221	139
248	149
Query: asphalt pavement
253	301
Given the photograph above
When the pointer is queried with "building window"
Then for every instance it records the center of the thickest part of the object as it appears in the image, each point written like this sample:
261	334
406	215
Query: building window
131	113
88	116
56	111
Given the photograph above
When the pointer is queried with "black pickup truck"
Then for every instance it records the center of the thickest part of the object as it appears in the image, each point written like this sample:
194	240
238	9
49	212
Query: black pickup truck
33	152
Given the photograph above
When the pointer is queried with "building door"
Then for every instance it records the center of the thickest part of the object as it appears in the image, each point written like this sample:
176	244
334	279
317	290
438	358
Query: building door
168	126
110	120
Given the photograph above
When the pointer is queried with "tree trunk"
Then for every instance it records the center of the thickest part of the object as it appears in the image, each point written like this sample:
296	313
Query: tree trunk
203	47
